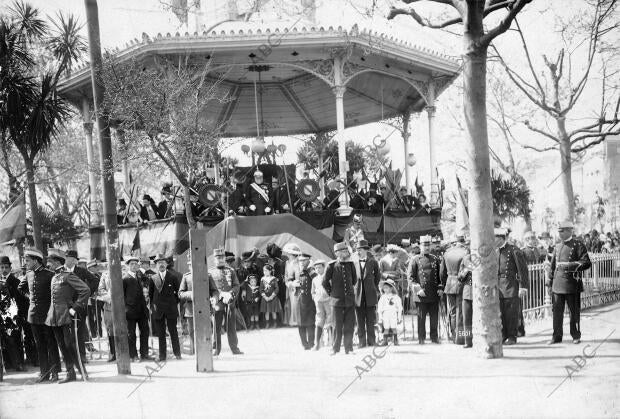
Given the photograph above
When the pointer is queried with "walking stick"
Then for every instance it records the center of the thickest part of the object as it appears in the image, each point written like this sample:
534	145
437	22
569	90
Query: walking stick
1	361
77	349
98	326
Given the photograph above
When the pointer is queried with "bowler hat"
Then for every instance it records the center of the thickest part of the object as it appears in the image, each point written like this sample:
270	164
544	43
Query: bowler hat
71	254
340	246
363	244
4	260
160	256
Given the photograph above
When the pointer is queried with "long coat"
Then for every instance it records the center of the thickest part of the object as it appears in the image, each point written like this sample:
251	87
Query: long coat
88	278
339	281
12	283
424	270
38	288
135	303
568	260
465	277
303	293
513	273
256	199
68	291
164	300
450	264
186	293
370	275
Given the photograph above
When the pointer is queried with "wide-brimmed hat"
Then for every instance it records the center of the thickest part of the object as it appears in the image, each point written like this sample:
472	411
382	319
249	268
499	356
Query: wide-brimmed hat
545	235
318	262
56	254
500	232
291	249
392	248
340	246
35	253
166	188
4	260
92	263
246	256
425	239
376	248
566	224
274	251
304	256
388	281
129	259
160	256
363	244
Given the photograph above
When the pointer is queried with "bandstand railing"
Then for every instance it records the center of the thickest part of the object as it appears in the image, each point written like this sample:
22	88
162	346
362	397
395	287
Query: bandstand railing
601	285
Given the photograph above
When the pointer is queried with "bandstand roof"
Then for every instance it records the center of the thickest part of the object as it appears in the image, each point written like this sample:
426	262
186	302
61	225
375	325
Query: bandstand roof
383	76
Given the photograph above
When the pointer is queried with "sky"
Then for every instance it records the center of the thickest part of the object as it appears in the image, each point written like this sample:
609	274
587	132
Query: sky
123	20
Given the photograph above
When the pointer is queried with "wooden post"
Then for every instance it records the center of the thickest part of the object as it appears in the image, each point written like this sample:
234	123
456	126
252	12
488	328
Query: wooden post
109	194
202	304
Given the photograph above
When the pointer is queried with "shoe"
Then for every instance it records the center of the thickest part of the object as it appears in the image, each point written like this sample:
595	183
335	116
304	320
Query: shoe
68	378
54	377
576	341
307	347
467	345
42	377
112	358
135	359
147	358
520	334
435	341
216	352
420	342
20	368
332	352
350	351
177	356
90	347
236	351
396	341
317	347
553	342
510	341
84	359
361	345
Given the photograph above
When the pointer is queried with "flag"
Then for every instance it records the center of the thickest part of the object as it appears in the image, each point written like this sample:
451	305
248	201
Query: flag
13	221
462	213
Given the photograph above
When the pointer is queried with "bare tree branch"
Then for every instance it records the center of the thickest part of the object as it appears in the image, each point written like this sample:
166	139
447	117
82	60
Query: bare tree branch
514	7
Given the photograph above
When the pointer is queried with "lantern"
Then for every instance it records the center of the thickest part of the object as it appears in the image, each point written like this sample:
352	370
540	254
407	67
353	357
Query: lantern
282	148
245	148
258	146
411	161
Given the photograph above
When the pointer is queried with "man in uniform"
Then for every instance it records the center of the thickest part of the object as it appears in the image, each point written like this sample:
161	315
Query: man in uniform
281	201
303	292
164	298
450	265
513	284
223	302
69	297
423	272
237	199
136	311
570	257
339	280
354	232
260	196
465	278
366	294
10	319
37	286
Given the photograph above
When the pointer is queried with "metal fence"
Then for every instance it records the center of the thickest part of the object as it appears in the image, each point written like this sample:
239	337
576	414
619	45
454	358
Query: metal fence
601	285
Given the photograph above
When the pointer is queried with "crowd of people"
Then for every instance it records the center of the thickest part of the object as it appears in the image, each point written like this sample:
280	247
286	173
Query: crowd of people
366	288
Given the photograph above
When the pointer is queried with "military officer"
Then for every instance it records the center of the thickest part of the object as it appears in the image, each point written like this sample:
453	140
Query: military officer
354	232
465	278
339	281
164	297
513	284
37	286
450	265
64	308
260	196
570	257
223	302
307	310
423	272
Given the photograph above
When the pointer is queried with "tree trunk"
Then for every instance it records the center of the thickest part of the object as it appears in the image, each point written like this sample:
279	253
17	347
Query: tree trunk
566	171
486	322
191	222
34	209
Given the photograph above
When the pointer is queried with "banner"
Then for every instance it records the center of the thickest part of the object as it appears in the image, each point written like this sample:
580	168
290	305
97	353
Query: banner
13	221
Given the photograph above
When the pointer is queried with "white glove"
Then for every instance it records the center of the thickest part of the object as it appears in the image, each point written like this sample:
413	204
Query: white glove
522	292
285	206
421	293
252	207
267	209
72	312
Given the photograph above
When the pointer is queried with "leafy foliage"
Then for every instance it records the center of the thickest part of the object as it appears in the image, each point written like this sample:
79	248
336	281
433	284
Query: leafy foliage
511	197
57	227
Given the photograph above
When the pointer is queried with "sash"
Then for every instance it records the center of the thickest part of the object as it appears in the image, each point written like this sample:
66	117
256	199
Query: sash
260	191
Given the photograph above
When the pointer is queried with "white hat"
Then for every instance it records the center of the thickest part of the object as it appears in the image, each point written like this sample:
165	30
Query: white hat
258	173
425	239
34	253
318	262
566	224
500	232
291	249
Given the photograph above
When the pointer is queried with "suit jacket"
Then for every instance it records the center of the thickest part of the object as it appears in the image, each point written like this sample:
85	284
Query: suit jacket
68	291
135	303
450	264
532	255
237	201
280	198
424	270
186	293
569	259
465	277
88	278
339	280
144	214
104	292
369	279
164	301
512	271
12	284
37	287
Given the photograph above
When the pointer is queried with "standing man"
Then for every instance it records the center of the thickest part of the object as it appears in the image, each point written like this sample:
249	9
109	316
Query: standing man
303	287
260	196
281	201
513	283
16	309
530	250
321	302
423	272
164	297
223	302
104	294
165	208
354	232
71	260
450	265
69	297
136	311
366	294
465	277
569	259
37	286
339	281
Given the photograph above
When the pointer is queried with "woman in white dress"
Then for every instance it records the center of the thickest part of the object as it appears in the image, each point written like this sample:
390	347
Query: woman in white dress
291	308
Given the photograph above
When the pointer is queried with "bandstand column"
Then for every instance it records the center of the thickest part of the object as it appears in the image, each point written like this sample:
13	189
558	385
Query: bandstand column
432	148
407	146
95	218
343	165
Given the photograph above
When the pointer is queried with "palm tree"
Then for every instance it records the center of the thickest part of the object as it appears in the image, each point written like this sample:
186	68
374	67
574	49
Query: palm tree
31	110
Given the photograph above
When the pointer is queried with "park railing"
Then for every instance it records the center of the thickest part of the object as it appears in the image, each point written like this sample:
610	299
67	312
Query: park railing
601	285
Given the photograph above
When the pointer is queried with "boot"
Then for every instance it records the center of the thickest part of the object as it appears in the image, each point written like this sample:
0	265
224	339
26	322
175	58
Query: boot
319	332
69	377
385	340
395	339
53	376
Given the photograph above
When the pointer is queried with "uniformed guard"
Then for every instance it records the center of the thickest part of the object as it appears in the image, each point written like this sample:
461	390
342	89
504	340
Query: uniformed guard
69	296
513	284
260	196
37	285
465	278
354	232
569	259
223	302
423	272
338	281
450	265
307	308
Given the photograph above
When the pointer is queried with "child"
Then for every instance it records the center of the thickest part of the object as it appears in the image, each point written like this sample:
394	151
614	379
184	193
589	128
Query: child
251	297
270	303
389	310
